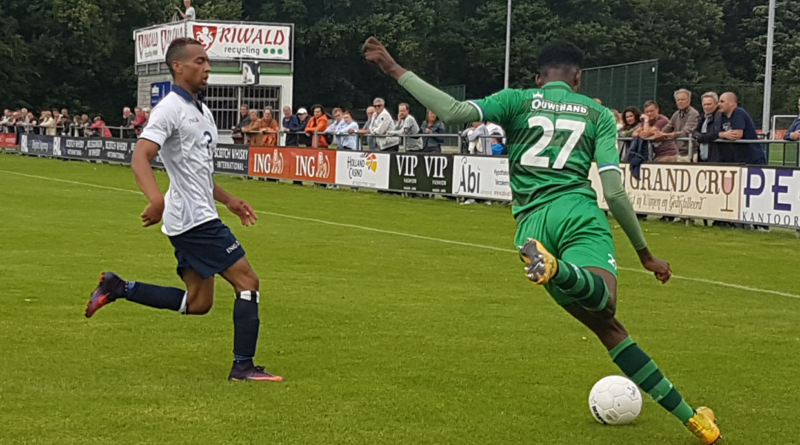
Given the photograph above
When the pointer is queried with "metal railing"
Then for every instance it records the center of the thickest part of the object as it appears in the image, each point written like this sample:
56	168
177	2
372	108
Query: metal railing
778	151
75	130
363	139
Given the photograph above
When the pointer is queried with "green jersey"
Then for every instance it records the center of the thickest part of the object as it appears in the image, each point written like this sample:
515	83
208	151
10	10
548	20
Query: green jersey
553	135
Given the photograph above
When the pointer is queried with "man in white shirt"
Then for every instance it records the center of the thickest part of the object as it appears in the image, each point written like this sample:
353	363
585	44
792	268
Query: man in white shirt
189	14
371	115
381	125
183	131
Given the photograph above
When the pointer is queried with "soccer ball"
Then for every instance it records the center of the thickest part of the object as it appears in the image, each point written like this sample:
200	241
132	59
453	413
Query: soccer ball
615	400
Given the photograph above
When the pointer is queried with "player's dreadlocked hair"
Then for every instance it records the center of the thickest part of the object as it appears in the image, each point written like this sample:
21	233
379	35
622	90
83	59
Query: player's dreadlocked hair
175	50
560	55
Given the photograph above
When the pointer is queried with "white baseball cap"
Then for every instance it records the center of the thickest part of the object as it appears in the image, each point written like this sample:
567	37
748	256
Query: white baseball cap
302	111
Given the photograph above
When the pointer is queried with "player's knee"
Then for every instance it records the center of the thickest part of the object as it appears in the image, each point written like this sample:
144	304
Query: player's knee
200	302
248	281
200	307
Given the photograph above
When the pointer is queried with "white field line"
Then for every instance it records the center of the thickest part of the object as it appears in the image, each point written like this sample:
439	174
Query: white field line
420	237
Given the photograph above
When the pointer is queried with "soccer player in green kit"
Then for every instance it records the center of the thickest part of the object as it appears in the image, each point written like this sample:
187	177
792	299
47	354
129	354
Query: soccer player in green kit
564	238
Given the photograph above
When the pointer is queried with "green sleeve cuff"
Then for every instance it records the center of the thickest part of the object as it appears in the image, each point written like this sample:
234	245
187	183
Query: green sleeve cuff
442	104
620	206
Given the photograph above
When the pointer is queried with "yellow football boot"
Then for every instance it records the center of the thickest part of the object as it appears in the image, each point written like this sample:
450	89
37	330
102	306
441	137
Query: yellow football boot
540	265
704	425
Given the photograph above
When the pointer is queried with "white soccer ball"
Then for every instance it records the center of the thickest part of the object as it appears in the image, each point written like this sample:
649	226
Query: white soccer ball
615	400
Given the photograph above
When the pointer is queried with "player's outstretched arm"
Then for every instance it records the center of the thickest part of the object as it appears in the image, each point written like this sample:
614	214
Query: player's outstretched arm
237	206
446	108
620	206
144	152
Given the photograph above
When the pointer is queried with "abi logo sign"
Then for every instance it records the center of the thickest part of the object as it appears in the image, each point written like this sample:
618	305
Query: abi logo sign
482	177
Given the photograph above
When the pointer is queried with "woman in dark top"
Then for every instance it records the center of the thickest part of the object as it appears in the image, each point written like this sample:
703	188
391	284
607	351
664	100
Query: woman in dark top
631	119
432	125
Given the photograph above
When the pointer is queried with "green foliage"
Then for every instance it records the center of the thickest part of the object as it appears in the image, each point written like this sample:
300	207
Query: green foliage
79	53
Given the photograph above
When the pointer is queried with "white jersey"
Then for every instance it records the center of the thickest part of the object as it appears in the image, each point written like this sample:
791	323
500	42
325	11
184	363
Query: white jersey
187	137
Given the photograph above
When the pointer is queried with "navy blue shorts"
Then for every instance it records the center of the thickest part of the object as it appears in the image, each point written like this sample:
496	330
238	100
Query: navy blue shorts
208	249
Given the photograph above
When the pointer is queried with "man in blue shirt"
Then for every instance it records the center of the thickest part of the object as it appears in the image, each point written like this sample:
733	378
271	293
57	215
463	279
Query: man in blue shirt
737	124
794	131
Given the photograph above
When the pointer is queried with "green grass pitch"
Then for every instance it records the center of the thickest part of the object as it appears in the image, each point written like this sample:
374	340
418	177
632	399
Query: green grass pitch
383	338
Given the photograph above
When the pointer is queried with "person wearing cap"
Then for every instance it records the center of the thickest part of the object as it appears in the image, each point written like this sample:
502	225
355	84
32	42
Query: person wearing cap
300	129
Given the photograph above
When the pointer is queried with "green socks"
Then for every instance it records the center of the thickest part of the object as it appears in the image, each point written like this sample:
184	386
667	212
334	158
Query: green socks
638	366
586	287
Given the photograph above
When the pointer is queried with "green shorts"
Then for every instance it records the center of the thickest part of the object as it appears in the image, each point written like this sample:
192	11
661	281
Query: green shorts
573	229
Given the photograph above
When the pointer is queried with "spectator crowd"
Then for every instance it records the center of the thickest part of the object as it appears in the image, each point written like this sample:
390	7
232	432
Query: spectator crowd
60	123
723	132
380	132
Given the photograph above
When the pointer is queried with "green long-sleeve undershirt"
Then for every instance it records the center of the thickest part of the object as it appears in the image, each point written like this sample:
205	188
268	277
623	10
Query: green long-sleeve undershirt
452	111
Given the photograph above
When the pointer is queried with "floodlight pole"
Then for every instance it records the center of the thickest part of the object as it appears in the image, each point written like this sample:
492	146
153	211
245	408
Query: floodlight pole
508	44
768	68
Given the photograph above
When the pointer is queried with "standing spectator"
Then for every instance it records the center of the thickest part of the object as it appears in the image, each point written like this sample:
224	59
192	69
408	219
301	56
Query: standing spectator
189	14
100	127
127	118
709	129
618	118
682	124
407	125
253	131
631	121
48	123
270	128
290	125
26	122
75	127
497	148
365	129
432	125
62	124
85	124
652	123
794	131
317	124
381	125
146	113
56	113
302	122
350	127
65	113
138	120
337	126
476	139
244	120
737	124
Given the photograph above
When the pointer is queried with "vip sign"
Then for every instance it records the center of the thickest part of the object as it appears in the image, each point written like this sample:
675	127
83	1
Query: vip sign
362	169
771	196
421	173
482	177
244	41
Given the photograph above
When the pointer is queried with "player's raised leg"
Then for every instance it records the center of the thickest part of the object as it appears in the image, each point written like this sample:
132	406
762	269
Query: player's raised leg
246	323
112	287
593	290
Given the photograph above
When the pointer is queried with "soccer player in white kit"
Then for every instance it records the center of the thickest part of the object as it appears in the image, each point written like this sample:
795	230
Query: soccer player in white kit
183	130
